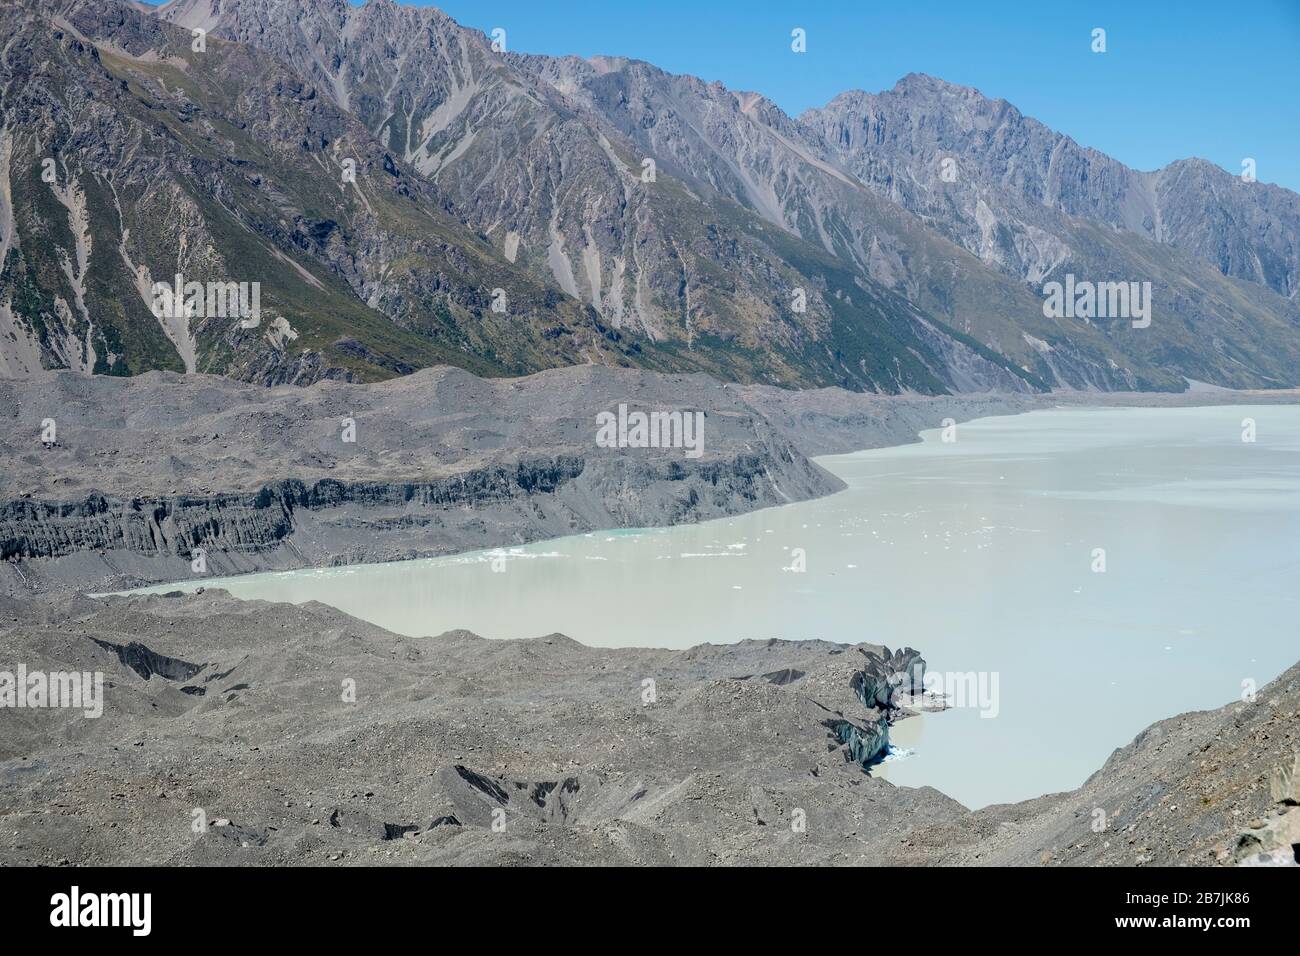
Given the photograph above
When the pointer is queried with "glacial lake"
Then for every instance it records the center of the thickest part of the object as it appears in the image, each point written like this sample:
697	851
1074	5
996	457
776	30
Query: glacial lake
980	552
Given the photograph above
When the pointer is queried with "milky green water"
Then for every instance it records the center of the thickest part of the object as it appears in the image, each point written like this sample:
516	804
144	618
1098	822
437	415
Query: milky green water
980	552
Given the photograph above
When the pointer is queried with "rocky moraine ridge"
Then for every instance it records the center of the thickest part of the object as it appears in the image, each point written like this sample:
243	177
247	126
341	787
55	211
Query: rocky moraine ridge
145	475
451	749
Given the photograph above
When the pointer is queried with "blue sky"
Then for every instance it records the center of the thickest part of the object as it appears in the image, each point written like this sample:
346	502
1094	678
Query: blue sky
1179	78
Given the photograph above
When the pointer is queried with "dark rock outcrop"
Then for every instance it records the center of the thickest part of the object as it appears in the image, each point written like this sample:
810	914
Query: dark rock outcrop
885	678
866	742
146	662
248	522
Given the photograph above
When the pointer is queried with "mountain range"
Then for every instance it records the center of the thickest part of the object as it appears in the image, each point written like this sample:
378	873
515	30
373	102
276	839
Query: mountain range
404	195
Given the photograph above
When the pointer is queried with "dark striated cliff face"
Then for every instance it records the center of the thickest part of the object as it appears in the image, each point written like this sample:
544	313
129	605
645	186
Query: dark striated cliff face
292	524
251	522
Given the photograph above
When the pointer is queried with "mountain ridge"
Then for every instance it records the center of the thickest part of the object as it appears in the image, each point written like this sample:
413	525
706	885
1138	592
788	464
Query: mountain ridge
1145	185
585	210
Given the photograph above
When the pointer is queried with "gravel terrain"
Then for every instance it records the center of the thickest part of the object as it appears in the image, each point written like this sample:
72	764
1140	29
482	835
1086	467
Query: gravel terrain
228	736
563	740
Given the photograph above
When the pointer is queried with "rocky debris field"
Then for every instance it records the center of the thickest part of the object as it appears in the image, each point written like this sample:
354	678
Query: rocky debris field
255	733
250	732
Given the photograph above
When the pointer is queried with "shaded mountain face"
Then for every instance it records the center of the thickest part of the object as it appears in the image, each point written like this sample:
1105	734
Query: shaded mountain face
507	213
1036	206
1027	175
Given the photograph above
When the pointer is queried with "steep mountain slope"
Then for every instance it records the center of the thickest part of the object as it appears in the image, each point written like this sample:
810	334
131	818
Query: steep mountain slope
1035	205
532	148
744	147
889	218
388	271
224	167
563	191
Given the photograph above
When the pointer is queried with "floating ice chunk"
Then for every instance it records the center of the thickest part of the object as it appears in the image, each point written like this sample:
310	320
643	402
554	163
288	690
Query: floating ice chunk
893	754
